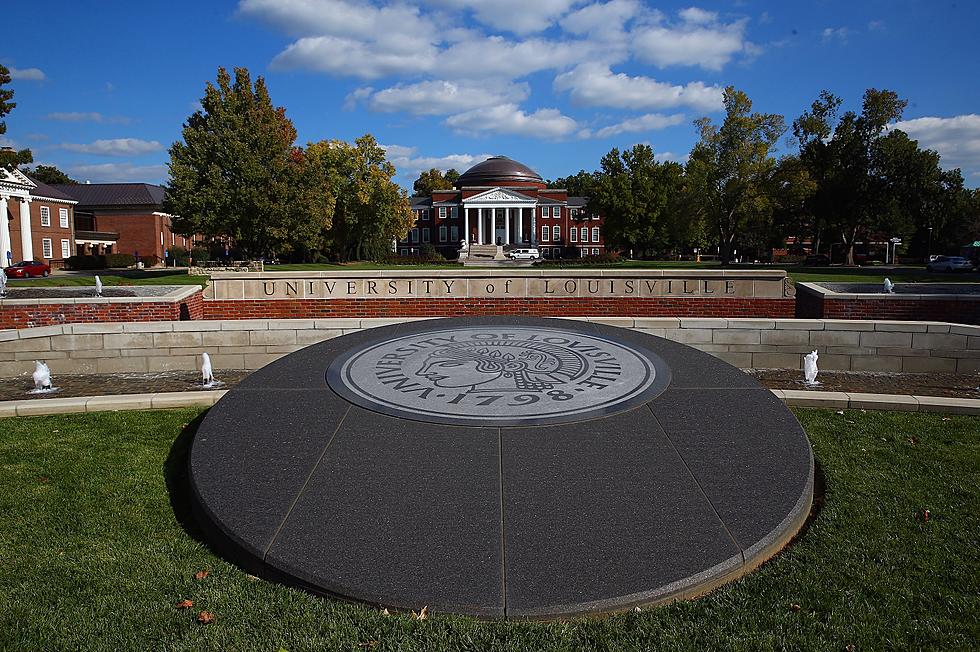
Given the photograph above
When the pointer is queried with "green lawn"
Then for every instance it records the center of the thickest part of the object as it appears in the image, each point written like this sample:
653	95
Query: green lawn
115	277
93	557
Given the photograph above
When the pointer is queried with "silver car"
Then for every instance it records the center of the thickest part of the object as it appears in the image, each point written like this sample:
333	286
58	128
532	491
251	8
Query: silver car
950	264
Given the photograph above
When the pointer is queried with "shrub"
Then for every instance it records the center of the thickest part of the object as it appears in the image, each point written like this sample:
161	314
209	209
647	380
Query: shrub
587	261
119	260
178	256
200	255
85	262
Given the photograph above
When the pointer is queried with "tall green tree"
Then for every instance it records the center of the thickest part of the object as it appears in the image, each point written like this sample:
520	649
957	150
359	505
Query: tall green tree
434	179
371	210
730	170
9	158
581	184
843	156
50	174
634	192
237	173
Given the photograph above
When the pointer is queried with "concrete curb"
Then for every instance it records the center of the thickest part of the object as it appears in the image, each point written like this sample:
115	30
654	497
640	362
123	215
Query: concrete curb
791	397
159	401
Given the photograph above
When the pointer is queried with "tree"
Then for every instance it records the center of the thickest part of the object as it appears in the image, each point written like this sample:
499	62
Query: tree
844	158
371	210
634	193
50	174
581	184
238	174
433	179
9	158
730	170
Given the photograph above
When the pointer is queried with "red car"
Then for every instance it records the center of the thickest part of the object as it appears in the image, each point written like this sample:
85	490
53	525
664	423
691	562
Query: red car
27	269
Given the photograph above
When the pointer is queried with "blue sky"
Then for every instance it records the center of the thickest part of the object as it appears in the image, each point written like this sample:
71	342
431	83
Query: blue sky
103	88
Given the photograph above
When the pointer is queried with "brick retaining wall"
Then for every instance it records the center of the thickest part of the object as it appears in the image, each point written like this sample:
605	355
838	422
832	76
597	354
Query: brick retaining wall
531	306
49	314
815	302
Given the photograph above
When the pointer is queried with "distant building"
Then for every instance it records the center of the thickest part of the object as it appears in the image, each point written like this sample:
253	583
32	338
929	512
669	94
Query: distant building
501	201
125	218
36	220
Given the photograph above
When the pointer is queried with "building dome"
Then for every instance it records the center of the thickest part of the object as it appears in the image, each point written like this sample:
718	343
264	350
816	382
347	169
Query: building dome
500	171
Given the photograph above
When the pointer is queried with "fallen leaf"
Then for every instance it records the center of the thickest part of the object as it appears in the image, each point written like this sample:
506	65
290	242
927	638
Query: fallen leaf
200	575
251	578
913	440
637	609
850	647
925	515
385	612
795	607
370	645
840	411
422	615
945	418
185	604
205	617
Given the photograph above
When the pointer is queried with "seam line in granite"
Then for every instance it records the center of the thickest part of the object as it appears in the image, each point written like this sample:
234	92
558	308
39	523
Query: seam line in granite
306	482
741	552
503	532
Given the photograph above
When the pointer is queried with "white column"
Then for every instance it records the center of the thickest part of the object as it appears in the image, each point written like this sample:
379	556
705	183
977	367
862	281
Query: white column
466	226
4	231
26	238
534	225
479	227
507	217
520	225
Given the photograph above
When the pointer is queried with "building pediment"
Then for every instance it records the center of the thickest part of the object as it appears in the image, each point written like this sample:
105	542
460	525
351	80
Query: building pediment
500	196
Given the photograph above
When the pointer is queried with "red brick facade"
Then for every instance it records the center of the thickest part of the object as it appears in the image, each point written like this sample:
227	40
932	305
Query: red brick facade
51	226
52	314
811	306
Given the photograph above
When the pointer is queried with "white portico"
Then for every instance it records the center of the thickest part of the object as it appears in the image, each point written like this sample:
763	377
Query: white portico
499	216
16	186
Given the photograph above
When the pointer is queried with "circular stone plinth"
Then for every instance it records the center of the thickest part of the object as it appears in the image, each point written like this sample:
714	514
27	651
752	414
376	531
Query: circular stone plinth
527	468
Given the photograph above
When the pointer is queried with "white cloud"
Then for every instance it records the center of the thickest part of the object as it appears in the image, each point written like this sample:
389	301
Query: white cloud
957	139
115	147
360	20
648	122
517	16
409	163
498	57
663	157
90	116
119	172
546	124
699	39
604	21
835	34
594	84
441	97
27	74
351	57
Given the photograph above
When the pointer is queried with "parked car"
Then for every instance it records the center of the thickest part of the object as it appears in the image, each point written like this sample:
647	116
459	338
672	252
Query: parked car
950	264
27	269
817	260
524	254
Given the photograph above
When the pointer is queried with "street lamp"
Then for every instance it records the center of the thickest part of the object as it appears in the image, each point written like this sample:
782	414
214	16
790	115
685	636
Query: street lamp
929	246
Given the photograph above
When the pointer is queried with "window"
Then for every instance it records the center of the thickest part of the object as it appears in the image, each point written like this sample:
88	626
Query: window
595	217
425	234
442	212
544	211
173	239
45	217
583	252
556	211
595	234
65	249
415	235
404	252
573	234
556	233
442	233
545	231
161	238
46	251
595	251
425	214
63	217
454	213
585	234
454	233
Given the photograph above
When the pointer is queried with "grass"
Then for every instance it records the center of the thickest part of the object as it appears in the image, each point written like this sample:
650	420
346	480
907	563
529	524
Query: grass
94	557
117	277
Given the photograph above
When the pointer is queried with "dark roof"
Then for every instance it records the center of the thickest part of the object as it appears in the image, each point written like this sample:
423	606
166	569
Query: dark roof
114	194
578	201
50	192
497	170
420	202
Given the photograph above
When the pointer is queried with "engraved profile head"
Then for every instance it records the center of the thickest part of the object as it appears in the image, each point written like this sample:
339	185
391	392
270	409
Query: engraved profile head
502	365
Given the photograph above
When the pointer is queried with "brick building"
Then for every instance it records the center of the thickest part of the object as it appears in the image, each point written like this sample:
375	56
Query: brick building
124	218
500	201
36	220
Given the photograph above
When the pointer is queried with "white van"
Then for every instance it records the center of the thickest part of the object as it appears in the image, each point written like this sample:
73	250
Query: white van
524	254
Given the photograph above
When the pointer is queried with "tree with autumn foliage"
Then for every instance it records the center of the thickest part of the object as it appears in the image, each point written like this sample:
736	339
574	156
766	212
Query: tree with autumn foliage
371	210
434	179
237	173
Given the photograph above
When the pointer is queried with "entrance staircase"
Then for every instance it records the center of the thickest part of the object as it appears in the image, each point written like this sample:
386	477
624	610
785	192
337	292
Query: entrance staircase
486	252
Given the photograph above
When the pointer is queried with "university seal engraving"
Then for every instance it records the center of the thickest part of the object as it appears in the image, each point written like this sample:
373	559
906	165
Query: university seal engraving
498	376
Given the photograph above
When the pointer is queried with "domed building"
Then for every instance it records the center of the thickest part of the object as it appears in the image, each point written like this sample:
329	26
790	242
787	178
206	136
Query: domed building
503	202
